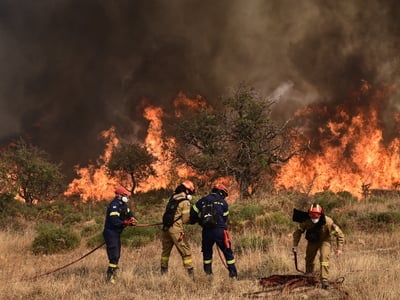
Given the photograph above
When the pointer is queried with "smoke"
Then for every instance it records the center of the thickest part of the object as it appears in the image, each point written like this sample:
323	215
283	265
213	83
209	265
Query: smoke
73	68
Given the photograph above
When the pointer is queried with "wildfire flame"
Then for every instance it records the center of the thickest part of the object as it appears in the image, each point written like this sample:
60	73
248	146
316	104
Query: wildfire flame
352	156
95	183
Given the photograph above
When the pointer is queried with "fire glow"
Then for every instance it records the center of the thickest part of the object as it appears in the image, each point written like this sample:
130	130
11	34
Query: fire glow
95	183
351	156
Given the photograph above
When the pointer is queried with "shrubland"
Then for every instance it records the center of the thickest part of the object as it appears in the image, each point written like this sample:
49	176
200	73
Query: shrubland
38	239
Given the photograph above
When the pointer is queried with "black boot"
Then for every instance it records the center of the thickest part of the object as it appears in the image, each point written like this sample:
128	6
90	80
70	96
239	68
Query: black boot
208	269
111	275
191	273
232	271
164	270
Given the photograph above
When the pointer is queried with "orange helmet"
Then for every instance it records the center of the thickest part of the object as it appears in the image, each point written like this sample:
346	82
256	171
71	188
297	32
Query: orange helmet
315	211
189	186
122	191
221	187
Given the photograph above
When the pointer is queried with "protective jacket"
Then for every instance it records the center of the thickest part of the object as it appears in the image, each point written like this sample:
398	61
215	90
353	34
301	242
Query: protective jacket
221	207
319	237
182	213
217	235
175	235
324	230
117	212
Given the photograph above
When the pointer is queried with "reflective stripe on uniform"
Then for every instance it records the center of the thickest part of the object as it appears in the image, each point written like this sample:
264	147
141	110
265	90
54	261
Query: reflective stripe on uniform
114	213
226	213
187	261
112	265
164	258
196	209
325	263
230	262
207	262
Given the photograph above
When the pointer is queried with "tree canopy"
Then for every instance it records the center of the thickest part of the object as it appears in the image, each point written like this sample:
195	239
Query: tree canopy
240	139
132	160
26	170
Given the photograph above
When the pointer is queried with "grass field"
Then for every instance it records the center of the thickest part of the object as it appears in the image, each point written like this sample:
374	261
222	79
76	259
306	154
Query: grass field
369	265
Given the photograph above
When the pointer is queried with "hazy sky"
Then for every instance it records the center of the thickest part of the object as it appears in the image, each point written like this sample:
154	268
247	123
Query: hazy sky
72	68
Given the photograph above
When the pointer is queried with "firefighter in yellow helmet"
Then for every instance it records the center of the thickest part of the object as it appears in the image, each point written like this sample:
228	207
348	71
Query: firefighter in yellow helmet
177	213
319	230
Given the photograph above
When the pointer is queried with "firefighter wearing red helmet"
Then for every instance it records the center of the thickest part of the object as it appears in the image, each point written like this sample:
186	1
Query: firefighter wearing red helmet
211	212
319	229
118	216
176	214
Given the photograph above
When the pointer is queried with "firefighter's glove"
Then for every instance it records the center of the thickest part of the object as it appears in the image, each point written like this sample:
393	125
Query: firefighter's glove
181	236
294	249
130	222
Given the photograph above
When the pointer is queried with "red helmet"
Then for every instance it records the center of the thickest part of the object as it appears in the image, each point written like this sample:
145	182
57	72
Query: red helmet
122	191
189	185
315	211
221	187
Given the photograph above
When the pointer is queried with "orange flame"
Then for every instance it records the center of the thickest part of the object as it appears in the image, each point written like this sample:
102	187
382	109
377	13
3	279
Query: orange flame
94	183
354	156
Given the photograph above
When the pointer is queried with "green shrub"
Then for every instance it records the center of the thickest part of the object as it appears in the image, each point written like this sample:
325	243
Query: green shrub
52	239
91	229
329	200
136	241
95	240
240	212
252	242
139	236
275	221
379	221
385	217
72	218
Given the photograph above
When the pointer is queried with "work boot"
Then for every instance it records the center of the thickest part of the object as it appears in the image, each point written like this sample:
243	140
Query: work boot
325	284
191	273
207	269
111	275
164	270
232	271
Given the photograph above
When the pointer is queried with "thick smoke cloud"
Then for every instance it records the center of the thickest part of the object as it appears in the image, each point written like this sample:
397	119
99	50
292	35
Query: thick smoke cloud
73	68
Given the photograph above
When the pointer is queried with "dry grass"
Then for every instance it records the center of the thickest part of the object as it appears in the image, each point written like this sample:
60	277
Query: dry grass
369	267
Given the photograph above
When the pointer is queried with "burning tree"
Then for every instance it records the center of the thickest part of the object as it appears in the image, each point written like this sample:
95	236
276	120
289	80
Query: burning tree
239	140
131	160
25	170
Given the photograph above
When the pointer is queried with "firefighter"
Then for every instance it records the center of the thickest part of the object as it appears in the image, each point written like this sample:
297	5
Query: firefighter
215	234
319	229
118	217
173	233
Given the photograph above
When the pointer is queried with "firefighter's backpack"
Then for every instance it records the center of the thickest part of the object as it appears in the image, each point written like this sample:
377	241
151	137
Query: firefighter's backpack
168	218
208	214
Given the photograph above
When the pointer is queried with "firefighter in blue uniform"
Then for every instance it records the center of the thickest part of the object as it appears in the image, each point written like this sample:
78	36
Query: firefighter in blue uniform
218	234
118	217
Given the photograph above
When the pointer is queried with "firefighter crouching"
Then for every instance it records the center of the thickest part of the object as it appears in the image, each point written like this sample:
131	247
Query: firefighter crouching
173	233
118	216
319	229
